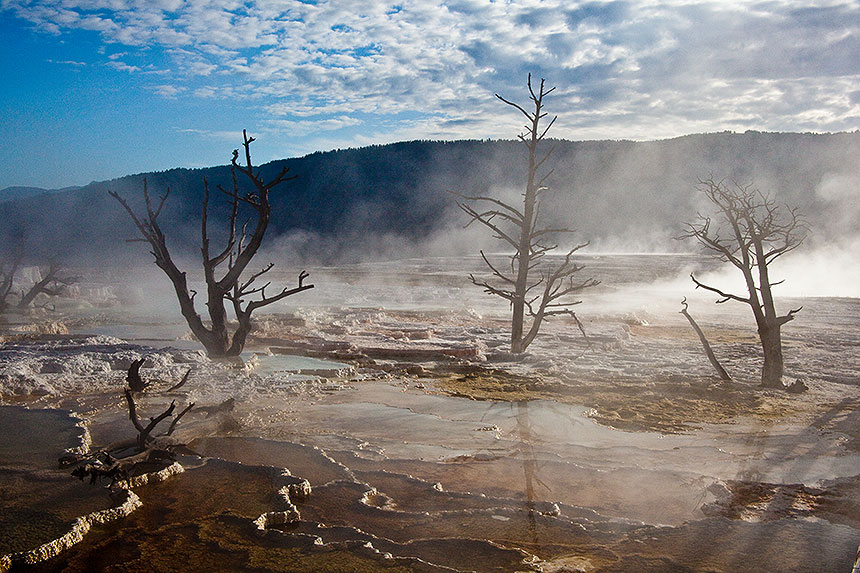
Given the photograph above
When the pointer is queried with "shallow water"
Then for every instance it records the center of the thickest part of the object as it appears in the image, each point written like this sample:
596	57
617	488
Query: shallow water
38	501
579	461
265	365
438	481
32	438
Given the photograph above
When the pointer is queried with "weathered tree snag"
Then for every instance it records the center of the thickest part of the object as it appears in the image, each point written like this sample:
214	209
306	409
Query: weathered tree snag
7	277
103	465
238	253
144	433
114	460
519	228
51	284
753	232
708	352
135	382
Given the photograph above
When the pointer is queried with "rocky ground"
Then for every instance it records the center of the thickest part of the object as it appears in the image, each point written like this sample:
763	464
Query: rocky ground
428	446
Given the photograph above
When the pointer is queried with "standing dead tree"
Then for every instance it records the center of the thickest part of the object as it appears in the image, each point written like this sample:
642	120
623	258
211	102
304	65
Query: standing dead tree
549	295
237	254
752	232
51	284
7	278
712	358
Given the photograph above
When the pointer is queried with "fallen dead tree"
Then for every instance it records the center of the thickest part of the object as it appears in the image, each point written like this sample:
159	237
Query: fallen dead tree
144	453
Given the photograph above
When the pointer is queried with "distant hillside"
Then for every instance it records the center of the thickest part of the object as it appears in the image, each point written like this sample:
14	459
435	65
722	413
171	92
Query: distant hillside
345	202
12	193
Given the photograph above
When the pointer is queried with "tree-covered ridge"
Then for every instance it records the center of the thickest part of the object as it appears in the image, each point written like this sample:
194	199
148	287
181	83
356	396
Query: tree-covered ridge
622	190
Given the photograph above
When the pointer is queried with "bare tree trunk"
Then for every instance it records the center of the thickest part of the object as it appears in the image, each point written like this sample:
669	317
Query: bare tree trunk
7	277
753	232
706	345
521	231
773	369
220	338
241	334
517	346
237	254
30	295
524	260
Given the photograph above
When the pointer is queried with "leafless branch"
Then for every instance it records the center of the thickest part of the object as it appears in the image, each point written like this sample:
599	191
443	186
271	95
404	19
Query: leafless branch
237	253
177	418
181	382
725	296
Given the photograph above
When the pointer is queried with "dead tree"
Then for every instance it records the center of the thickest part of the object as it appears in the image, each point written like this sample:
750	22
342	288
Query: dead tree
712	358
752	231
7	278
237	255
123	459
520	228
135	382
51	284
145	433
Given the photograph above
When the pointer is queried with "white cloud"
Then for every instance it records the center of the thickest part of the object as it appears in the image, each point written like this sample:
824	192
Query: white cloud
638	69
231	136
122	66
69	63
311	126
168	91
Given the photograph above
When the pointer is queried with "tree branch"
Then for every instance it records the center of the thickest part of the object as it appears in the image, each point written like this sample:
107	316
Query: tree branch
726	296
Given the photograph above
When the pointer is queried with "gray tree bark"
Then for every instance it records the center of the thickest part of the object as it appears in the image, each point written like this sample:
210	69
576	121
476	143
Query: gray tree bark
752	232
519	228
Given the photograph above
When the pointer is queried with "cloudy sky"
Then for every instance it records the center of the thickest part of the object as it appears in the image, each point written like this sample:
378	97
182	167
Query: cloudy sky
95	89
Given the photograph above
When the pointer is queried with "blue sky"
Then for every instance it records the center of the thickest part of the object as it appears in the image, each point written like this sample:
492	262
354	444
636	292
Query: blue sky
96	89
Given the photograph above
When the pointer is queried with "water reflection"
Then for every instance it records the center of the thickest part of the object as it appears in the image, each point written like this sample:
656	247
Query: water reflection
527	454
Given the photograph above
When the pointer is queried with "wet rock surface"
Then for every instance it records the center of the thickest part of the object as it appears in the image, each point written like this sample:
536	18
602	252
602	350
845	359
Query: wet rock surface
426	446
43	510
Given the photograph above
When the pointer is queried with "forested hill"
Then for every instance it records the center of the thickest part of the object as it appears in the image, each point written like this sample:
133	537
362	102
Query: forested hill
613	192
12	193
